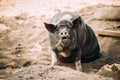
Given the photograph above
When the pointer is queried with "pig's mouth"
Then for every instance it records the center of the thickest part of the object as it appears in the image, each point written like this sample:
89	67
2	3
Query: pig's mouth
64	38
66	41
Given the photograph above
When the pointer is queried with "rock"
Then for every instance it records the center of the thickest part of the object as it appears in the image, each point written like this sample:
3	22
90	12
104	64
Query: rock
11	64
3	28
108	13
2	77
22	16
116	67
110	71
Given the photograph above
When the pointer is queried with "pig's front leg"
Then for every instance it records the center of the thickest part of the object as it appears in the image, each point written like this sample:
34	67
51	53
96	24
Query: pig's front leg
78	65
53	57
78	61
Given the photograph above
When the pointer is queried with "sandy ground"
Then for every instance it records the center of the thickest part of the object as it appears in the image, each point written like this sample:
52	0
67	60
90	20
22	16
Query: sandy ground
24	41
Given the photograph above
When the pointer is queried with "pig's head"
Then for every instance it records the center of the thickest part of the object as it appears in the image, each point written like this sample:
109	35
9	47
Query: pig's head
66	32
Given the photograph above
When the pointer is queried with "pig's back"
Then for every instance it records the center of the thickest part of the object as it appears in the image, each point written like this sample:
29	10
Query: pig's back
64	16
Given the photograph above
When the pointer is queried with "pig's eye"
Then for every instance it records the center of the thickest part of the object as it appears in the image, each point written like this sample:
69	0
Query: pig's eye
66	33
61	33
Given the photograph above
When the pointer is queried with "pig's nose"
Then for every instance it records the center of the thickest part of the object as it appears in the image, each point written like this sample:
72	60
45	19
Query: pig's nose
64	34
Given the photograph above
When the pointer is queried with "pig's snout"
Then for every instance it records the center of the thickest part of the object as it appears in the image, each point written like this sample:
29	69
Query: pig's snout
64	35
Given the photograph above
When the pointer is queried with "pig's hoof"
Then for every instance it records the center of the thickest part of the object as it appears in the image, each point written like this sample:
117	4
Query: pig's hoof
78	65
51	67
78	68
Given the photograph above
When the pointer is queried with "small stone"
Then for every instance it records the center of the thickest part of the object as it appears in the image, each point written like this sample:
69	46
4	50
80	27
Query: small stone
3	28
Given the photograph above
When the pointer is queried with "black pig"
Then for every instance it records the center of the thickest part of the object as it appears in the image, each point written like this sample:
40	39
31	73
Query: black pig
71	40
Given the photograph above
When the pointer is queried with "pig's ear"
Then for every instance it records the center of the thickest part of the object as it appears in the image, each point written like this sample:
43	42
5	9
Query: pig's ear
50	27
77	22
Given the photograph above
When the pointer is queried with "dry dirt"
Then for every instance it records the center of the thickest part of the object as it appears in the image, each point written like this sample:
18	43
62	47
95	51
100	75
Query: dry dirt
24	43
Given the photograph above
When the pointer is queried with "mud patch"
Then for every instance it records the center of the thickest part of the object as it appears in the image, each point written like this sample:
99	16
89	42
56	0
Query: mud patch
41	72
